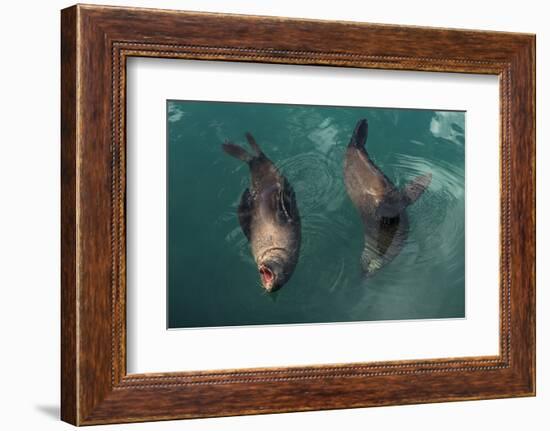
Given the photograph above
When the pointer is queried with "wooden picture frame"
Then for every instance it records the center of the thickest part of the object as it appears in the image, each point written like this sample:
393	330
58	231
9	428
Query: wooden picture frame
95	43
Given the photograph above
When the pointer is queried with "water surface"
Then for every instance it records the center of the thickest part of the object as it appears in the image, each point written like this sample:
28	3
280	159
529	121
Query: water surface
212	277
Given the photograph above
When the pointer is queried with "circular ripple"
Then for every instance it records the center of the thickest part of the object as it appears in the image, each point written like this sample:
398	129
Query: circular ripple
436	232
317	180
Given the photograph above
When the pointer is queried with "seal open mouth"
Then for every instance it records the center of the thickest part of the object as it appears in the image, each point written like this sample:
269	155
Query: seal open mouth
267	276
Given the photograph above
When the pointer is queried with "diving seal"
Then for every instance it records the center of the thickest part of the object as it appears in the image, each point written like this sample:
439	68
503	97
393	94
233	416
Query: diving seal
381	205
269	217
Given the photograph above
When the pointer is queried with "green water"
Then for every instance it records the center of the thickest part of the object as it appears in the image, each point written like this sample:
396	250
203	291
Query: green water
212	278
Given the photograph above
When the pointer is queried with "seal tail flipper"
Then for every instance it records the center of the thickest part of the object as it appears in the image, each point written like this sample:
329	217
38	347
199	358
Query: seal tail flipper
252	142
359	137
237	152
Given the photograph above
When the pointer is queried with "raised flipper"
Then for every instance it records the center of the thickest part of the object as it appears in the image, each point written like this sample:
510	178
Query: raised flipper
252	142
237	152
414	189
245	212
359	137
396	202
240	153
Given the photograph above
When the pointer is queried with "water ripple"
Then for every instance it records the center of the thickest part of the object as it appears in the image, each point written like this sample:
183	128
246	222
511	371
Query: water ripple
316	179
332	233
436	233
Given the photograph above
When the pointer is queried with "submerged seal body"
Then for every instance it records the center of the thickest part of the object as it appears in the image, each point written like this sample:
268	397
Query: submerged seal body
269	217
381	205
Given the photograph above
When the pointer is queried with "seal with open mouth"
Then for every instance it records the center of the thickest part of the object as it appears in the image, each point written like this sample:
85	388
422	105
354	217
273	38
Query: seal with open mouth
269	217
381	205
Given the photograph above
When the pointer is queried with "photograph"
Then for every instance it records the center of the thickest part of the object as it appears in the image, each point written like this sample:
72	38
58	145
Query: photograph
283	214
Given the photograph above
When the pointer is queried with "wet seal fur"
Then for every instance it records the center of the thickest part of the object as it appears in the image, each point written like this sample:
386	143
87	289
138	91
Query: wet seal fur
269	217
381	205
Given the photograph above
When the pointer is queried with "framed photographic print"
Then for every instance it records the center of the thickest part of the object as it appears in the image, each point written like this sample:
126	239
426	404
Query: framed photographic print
266	215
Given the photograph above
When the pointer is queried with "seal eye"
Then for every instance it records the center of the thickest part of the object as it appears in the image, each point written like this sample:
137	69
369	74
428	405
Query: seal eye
267	276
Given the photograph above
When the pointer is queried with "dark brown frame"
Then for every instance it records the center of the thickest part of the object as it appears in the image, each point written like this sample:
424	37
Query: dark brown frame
95	43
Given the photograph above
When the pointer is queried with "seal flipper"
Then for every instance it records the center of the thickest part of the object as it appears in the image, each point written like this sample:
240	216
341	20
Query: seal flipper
414	189
245	213
252	142
240	153
237	152
359	137
396	202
